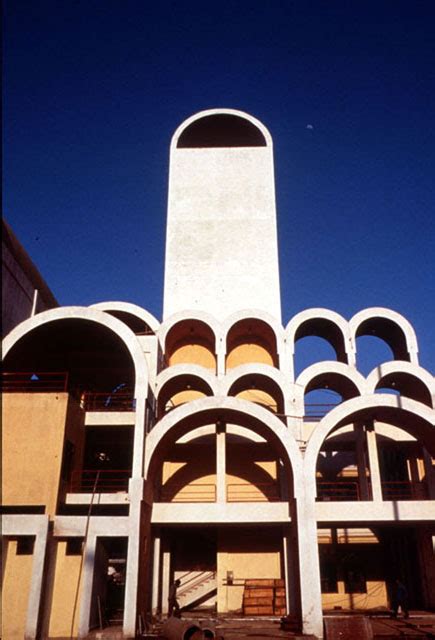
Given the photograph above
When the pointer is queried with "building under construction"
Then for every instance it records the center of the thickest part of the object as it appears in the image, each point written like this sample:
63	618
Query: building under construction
137	452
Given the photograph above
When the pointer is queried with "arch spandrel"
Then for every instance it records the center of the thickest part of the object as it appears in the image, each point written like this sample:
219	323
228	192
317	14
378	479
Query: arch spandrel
210	410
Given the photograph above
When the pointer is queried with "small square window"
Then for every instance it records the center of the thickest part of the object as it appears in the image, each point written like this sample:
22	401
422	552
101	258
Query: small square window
74	547
25	545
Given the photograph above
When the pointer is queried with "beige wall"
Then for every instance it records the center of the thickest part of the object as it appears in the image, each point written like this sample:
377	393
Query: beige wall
376	596
34	425
66	576
247	353
193	354
15	592
248	554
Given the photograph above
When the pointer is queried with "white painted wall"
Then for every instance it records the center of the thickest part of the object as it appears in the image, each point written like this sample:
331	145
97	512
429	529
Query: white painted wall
221	244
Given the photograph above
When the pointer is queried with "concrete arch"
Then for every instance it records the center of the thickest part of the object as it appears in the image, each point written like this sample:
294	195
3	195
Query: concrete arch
211	112
405	370
254	314
252	369
323	323
379	321
414	417
92	315
124	334
186	369
335	370
208	410
132	309
189	314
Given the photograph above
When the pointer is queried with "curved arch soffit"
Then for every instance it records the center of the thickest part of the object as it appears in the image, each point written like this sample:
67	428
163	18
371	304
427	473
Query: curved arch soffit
93	315
383	407
244	370
400	366
254	314
212	112
171	373
184	316
385	314
334	367
129	307
187	417
317	314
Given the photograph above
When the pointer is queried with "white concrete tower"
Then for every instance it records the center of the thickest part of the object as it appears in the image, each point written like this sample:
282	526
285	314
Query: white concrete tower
221	239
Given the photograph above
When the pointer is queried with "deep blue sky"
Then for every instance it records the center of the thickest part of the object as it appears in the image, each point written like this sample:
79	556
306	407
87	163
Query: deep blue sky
93	91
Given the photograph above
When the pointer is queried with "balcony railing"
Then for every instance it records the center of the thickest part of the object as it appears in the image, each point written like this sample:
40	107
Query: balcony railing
337	491
102	481
261	492
404	490
106	401
316	411
34	381
188	493
391	490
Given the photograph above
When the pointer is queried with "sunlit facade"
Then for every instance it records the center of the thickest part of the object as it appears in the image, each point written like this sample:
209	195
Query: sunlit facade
137	451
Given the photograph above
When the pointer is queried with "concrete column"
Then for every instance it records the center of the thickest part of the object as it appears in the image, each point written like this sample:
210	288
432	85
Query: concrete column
430	474
156	576
361	462
290	572
221	463
135	490
87	583
309	566
220	360
375	472
166	577
34	602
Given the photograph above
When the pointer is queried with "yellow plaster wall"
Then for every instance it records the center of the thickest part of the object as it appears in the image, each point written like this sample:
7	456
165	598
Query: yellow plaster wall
260	397
183	396
247	353
193	354
33	434
66	577
376	596
15	592
247	555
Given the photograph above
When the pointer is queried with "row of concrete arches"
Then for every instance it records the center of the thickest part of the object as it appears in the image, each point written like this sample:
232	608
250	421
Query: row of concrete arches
267	386
46	328
193	336
411	416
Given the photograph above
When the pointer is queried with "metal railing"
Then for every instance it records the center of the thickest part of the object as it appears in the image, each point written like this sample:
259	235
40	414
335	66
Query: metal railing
34	381
189	493
316	411
104	481
106	401
404	490
258	492
337	491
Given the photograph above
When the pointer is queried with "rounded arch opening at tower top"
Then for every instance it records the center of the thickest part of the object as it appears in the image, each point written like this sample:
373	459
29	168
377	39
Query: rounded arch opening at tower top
221	128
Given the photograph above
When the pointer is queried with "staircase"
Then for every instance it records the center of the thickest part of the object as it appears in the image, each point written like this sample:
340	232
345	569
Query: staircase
198	590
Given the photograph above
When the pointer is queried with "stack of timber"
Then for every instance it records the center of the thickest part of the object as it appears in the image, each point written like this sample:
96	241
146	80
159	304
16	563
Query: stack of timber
264	597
